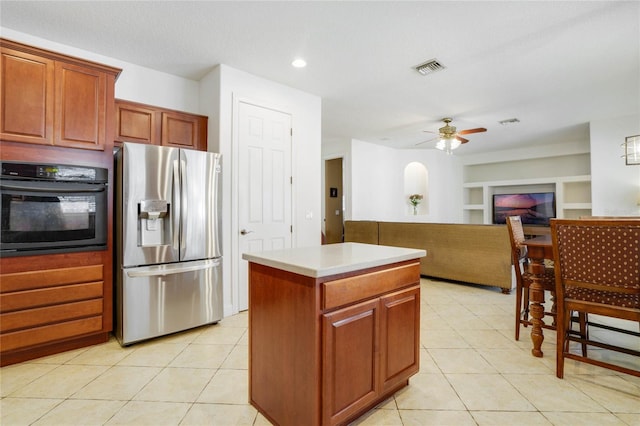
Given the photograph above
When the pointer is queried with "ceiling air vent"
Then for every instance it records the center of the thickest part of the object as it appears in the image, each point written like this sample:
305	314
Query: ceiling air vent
509	121
429	67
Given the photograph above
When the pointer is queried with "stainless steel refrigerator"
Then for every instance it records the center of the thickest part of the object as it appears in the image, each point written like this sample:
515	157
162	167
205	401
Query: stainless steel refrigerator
168	259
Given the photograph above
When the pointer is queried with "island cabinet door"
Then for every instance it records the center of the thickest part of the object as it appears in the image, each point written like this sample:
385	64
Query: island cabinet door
350	378
399	336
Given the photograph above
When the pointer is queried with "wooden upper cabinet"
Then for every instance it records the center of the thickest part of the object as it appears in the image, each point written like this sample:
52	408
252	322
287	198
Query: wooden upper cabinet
136	123
80	107
142	123
53	99
180	130
26	93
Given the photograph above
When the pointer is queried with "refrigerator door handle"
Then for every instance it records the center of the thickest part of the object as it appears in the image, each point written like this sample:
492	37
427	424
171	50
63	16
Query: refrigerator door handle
173	269
177	196
184	213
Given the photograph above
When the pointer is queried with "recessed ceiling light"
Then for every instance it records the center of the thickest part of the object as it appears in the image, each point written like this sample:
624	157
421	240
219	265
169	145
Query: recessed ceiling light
299	63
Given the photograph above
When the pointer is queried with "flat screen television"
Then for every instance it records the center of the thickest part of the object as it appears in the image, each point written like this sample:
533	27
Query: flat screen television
534	208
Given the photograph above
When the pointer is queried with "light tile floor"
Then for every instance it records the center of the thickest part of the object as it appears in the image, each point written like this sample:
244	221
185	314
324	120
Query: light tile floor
472	372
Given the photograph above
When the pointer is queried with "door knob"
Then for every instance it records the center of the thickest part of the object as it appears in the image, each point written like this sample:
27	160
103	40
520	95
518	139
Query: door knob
245	232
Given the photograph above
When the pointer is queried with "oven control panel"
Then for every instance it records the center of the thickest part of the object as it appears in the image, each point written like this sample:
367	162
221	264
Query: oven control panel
56	172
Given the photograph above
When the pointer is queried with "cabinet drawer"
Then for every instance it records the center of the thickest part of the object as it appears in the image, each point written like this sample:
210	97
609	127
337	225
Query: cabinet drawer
49	296
353	289
49	333
49	314
49	278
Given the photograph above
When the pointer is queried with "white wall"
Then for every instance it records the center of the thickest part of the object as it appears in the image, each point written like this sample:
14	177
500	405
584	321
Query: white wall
220	91
135	83
615	187
374	184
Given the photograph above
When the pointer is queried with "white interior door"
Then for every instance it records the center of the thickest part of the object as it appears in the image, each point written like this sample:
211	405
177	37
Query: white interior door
264	186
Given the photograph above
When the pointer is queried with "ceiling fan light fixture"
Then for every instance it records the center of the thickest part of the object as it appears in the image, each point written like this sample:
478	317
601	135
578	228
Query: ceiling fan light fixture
448	145
429	67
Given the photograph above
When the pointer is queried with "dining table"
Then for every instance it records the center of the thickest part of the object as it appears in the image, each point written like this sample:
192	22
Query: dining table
538	248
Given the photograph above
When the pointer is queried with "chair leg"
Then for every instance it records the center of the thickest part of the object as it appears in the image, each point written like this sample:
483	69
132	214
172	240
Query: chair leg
525	311
518	309
582	319
554	309
564	323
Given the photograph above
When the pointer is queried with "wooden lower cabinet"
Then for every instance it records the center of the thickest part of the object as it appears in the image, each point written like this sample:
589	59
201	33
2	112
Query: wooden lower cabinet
350	364
400	337
45	311
355	374
325	351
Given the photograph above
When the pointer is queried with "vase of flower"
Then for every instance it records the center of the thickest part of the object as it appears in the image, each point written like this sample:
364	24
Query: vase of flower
414	200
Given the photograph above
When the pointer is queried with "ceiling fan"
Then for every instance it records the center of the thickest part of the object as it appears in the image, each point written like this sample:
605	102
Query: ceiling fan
449	138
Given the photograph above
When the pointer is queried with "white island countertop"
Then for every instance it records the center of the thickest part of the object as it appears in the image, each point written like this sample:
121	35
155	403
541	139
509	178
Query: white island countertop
332	259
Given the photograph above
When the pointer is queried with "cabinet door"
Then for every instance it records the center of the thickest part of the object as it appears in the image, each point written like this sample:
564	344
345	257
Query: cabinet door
136	123
183	131
399	336
80	107
350	378
26	93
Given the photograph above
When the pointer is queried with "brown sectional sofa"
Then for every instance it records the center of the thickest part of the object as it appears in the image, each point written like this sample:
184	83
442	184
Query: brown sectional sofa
476	254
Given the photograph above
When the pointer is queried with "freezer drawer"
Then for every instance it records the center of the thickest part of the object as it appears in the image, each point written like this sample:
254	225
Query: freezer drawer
157	300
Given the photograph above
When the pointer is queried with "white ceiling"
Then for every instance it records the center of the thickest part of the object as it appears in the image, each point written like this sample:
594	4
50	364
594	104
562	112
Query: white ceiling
554	65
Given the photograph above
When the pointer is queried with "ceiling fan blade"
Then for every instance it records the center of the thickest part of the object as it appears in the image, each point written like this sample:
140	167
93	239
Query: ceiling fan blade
469	131
428	140
461	139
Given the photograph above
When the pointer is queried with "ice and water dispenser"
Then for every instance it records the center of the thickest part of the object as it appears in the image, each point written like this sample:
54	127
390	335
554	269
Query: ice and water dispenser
155	223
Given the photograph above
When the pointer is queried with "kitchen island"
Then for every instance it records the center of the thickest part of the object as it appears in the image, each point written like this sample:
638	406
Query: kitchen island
333	330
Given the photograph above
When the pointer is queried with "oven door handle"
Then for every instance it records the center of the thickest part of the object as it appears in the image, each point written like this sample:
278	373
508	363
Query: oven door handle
40	189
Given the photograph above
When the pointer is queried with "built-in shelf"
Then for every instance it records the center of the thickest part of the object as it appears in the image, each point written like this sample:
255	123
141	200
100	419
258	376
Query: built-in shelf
577	206
573	196
474	206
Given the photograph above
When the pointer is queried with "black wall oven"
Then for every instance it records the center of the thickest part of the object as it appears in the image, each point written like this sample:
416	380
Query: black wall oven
49	208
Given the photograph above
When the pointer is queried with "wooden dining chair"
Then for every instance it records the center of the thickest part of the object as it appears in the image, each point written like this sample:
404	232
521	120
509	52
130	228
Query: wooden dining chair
524	278
597	264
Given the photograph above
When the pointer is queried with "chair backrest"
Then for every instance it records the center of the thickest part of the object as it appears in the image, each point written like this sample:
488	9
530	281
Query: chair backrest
518	250
597	255
609	217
